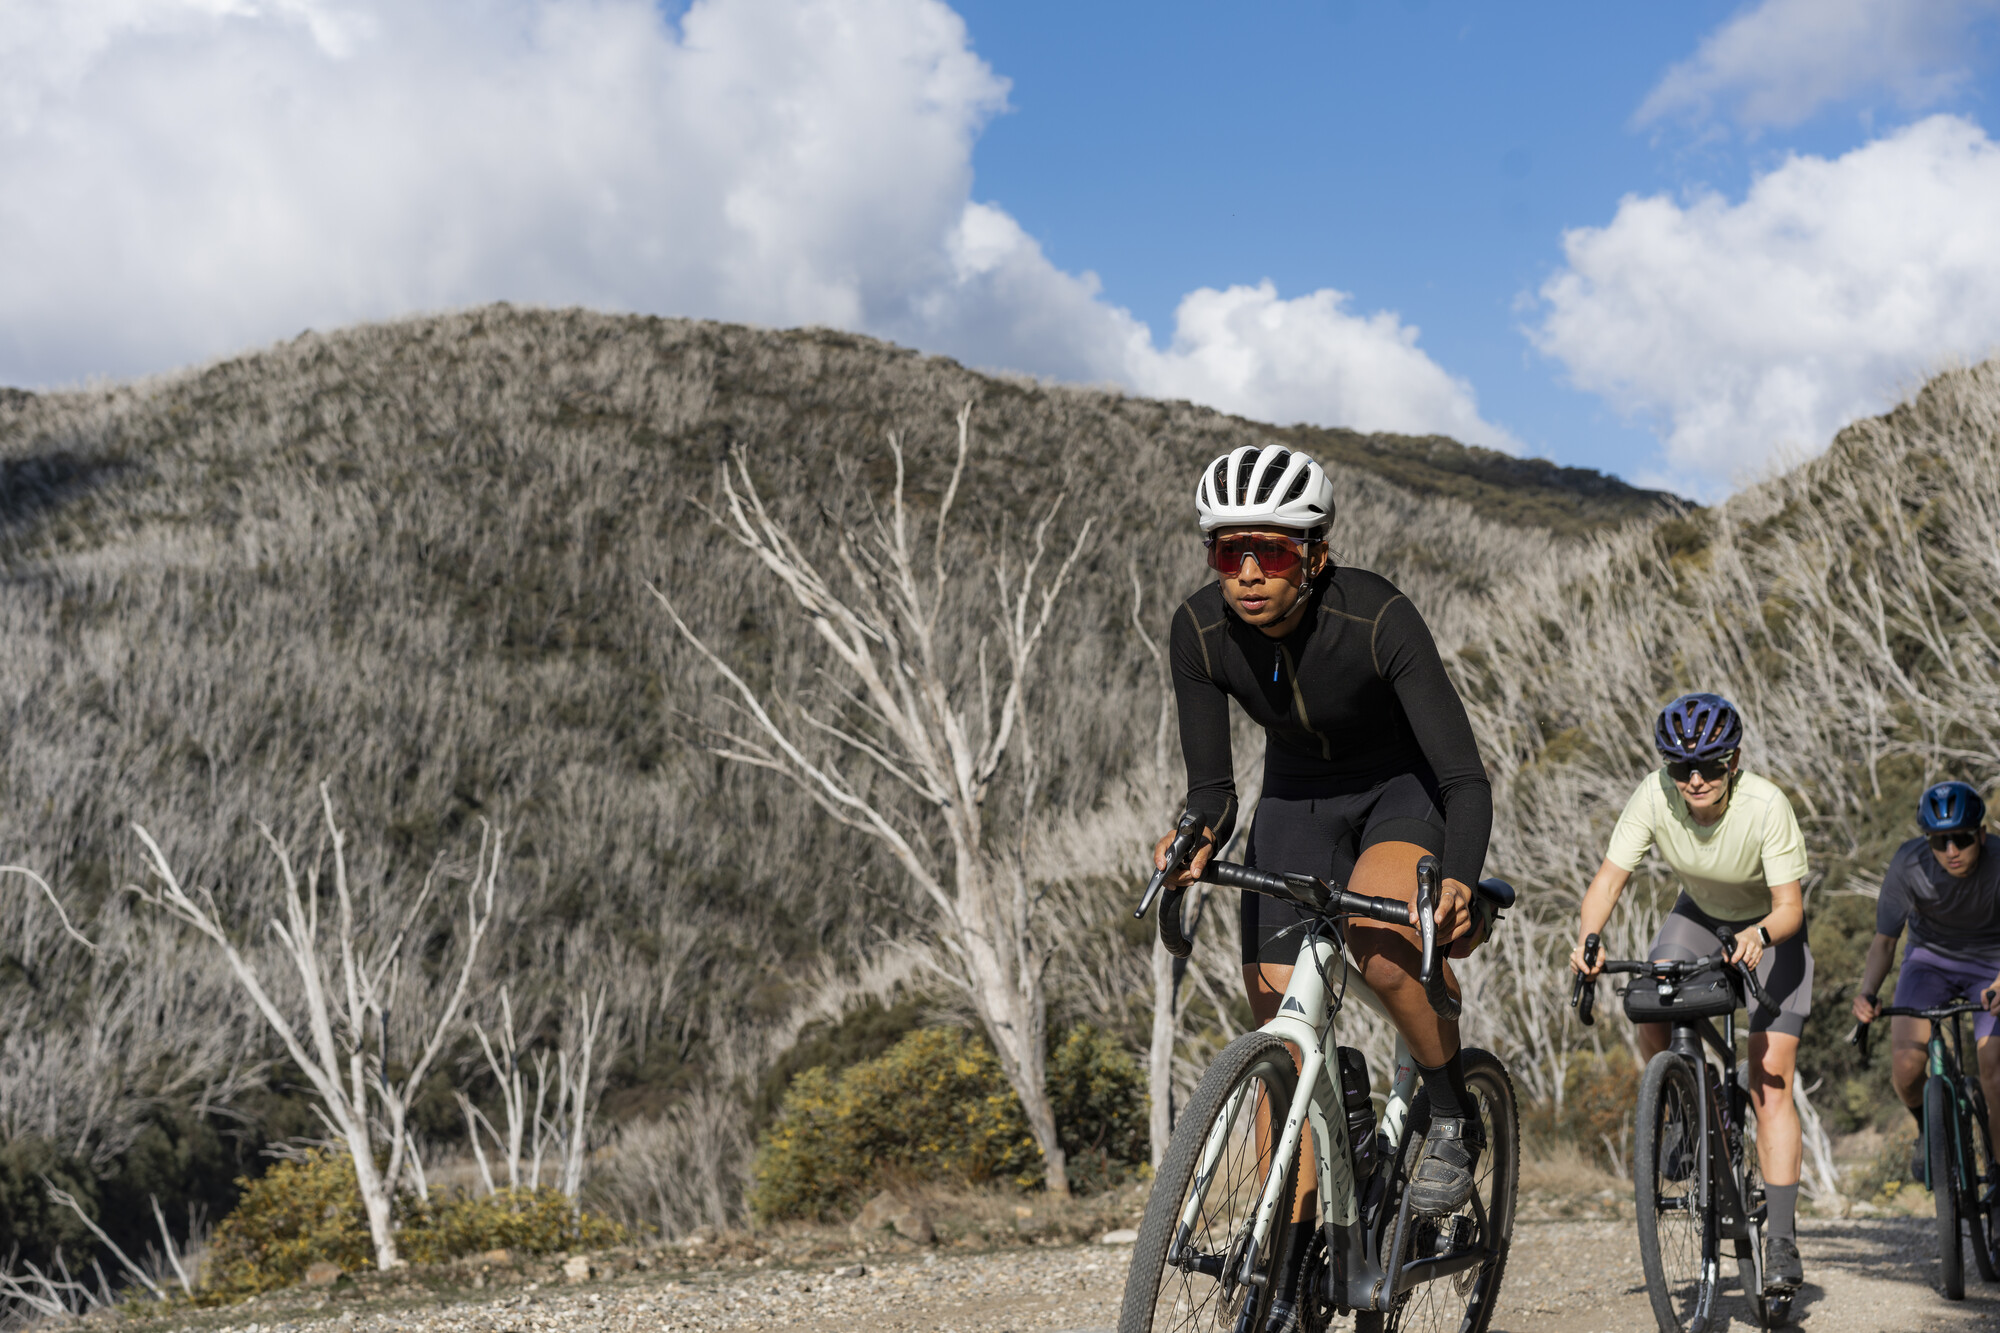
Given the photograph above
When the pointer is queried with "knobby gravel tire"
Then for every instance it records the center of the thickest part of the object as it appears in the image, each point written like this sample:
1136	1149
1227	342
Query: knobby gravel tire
1463	1302
1676	1248
1190	1299
1977	1154
1940	1136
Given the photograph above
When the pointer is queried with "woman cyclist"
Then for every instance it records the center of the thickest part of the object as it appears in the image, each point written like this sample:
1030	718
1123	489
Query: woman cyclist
1369	761
1734	841
1946	885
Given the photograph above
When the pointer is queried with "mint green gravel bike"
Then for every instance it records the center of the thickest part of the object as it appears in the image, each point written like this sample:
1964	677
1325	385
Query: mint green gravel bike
1218	1239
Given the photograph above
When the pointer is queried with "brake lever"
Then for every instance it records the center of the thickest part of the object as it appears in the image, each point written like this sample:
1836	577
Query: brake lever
1727	937
1187	834
1583	995
1858	1039
1430	971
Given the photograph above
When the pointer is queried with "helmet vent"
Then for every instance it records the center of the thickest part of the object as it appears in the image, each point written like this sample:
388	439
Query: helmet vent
1297	488
1270	475
1244	471
1219	479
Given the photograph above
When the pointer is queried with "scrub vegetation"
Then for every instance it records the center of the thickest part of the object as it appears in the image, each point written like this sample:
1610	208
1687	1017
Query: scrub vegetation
411	562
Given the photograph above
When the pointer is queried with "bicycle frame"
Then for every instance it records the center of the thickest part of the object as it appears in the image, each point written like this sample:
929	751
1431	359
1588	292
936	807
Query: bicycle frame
1317	1104
1723	1118
1947	1061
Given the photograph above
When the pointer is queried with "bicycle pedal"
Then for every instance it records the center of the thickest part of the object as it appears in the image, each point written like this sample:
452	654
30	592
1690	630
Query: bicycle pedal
1459	1231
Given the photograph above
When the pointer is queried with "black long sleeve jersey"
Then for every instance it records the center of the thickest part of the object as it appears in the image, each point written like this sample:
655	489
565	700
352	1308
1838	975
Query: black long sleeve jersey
1353	697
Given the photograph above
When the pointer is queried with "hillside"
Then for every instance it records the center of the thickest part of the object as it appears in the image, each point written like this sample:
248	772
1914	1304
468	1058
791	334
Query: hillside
410	561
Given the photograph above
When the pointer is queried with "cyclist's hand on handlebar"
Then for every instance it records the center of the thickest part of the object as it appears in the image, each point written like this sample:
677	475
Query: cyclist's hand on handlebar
1582	969
1866	1010
1196	863
1990	997
1453	912
1749	950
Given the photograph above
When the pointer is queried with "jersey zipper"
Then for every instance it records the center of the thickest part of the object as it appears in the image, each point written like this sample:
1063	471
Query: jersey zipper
1299	700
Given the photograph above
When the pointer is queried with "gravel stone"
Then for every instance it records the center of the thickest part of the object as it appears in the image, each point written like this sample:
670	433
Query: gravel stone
1863	1276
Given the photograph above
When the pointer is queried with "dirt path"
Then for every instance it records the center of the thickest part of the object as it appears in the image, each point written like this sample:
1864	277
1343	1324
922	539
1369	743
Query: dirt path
1566	1277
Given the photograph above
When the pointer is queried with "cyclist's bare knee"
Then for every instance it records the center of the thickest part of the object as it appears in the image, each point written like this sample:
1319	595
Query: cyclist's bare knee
1265	984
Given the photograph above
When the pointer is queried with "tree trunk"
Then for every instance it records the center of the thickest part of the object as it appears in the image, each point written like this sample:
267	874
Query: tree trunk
375	1200
1160	1058
1011	1007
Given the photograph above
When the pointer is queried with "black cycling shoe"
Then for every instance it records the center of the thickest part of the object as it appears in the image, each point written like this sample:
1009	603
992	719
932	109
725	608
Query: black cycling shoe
1919	1162
1442	1182
1783	1273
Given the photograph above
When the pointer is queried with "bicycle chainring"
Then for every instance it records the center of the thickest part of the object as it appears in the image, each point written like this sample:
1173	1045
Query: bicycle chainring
1315	1311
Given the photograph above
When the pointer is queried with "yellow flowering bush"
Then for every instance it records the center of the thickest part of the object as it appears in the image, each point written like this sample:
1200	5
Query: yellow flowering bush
300	1213
936	1107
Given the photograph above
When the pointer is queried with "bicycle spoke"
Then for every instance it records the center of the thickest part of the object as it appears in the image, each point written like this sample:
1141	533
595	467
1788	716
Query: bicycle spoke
1198	1289
1446	1304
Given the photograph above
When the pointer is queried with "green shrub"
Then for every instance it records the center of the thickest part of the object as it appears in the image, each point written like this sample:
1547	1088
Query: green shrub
526	1221
289	1218
936	1107
300	1213
1099	1098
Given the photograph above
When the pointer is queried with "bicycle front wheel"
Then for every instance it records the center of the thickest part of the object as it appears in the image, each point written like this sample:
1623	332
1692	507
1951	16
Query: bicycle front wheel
1188	1263
1976	1153
1670	1194
1940	1145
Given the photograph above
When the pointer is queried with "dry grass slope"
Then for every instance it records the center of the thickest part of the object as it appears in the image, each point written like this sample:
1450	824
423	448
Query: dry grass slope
410	559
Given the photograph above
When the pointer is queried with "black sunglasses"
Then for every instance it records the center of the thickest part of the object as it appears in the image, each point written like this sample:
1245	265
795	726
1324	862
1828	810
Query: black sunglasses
1711	770
1959	838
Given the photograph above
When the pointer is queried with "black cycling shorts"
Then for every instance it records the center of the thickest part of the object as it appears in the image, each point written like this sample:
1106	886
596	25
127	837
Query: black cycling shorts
1324	836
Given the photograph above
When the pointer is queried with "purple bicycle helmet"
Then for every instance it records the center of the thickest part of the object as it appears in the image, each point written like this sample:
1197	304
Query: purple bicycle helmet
1950	806
1698	726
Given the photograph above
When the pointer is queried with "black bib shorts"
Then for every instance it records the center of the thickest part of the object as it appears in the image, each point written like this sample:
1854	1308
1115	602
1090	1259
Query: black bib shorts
1325	836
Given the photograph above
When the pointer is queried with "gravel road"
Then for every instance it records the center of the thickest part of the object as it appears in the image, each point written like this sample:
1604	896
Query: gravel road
1870	1276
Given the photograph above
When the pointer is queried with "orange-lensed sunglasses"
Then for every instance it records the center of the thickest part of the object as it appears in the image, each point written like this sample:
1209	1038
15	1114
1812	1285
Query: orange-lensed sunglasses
1274	555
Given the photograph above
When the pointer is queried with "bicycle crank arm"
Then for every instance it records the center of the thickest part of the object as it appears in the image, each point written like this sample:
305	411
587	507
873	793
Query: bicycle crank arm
1442	1265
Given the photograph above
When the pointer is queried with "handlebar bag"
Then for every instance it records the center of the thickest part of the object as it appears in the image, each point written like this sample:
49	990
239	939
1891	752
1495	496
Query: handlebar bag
1707	994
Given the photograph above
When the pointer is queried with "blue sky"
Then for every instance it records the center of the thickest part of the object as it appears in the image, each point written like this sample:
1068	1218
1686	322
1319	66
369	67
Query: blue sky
1426	157
1683	243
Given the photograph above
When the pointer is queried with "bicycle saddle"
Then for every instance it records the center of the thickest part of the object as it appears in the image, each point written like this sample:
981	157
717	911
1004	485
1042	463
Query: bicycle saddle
1499	891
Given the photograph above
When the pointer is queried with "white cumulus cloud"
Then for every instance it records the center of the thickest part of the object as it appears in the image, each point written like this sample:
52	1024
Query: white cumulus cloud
1761	326
186	178
1780	61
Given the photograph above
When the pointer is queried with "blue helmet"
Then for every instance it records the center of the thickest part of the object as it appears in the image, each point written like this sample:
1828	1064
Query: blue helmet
1698	726
1949	806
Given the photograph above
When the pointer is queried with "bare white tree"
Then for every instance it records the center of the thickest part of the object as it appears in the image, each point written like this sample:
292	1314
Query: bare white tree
348	987
938	725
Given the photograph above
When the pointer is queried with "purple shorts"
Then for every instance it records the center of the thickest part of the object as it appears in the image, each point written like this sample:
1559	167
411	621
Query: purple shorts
1931	979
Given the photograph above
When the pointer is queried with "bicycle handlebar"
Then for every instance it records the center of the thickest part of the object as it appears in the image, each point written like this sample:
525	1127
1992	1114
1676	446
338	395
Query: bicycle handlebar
1431	972
1858	1038
1332	900
1583	992
1187	838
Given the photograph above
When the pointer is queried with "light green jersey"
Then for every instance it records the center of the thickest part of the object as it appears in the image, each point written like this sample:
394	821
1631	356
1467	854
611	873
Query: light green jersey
1728	866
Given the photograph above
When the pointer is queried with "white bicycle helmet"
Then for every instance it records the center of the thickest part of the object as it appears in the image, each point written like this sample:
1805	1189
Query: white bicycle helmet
1273	487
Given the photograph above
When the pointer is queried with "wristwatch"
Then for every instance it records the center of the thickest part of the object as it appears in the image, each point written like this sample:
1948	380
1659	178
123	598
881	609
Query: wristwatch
1765	936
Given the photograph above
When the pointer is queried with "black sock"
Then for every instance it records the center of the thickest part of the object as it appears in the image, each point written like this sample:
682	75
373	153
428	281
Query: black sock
1450	1099
1917	1114
1781	1203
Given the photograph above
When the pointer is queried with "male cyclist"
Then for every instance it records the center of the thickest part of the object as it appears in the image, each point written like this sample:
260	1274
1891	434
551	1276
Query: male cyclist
1946	886
1734	841
1369	761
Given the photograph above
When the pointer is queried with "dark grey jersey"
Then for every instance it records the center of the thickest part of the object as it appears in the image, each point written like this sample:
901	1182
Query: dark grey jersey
1959	918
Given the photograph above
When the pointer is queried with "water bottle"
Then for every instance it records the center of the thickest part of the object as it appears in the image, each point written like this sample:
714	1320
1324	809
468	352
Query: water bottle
1360	1107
